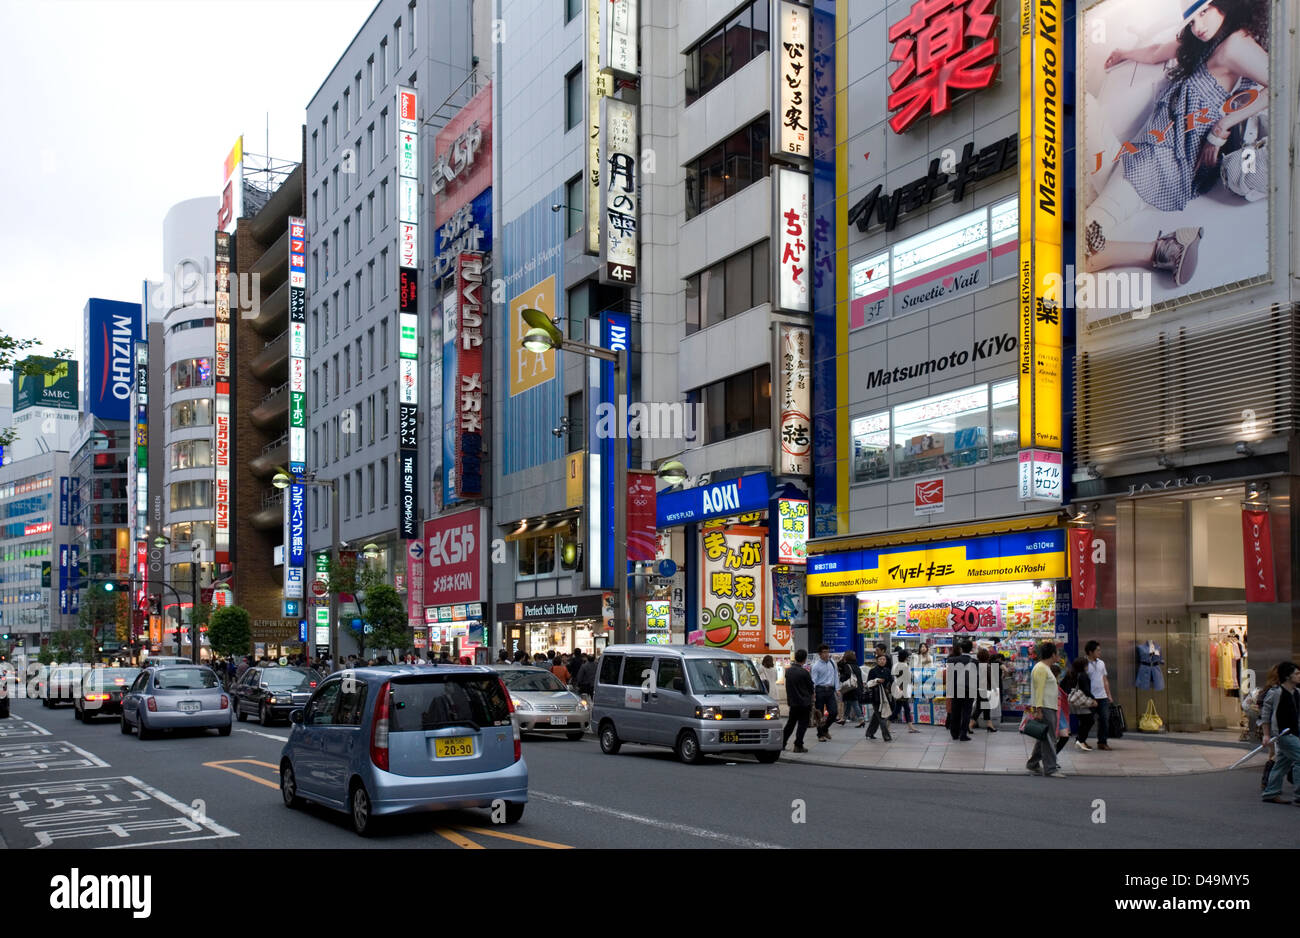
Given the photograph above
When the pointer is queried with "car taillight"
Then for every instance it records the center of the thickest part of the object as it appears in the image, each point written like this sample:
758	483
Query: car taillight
510	705
379	732
152	705
225	701
96	696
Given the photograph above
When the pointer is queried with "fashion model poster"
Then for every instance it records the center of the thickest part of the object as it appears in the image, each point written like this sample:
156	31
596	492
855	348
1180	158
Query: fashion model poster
1174	150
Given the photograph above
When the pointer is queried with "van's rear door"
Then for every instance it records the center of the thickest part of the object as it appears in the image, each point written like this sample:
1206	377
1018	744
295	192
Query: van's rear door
449	723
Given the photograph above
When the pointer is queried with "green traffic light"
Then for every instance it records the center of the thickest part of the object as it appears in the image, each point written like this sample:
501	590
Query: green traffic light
108	587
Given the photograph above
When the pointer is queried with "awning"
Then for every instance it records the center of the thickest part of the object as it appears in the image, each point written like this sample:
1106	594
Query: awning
951	532
537	525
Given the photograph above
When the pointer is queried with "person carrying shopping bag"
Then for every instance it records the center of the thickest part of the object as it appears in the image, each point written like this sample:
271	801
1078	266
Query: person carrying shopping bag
879	681
851	689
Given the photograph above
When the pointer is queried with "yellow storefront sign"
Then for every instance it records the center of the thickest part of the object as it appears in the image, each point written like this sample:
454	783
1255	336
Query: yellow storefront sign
529	369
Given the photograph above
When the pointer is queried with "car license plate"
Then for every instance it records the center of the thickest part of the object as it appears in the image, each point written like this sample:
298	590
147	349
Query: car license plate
452	746
729	737
559	721
189	706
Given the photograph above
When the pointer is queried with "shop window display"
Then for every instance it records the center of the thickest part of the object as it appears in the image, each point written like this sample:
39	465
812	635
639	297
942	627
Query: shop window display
871	447
1006	419
947	431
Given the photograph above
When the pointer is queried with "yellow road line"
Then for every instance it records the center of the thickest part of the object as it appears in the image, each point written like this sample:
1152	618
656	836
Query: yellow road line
225	767
518	838
463	842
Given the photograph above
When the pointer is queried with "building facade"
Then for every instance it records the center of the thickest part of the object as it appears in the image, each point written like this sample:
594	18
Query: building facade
37	597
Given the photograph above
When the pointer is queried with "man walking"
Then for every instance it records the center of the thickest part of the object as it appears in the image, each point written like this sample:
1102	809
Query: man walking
825	678
1042	706
963	685
1100	692
799	698
1285	700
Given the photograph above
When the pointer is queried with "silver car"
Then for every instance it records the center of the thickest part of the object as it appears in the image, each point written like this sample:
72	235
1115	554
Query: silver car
174	697
542	705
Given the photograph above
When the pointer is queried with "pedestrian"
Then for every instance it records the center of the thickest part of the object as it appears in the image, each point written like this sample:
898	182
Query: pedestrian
1078	696
963	685
1284	714
575	667
586	679
502	657
799	695
767	671
901	691
852	688
1042	704
559	670
879	682
1062	709
1100	691
824	678
982	709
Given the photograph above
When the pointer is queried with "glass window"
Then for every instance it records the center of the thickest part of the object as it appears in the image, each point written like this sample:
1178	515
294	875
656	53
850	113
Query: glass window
727	168
545	554
574	205
759	38
196	413
352	703
713	295
571	9
185	679
942	432
723	676
692	304
637	670
573	98
429	703
715	412
191	373
870	435
192	454
713	64
739	283
739	391
576	429
195	494
762	272
609	668
1006	418
527	558
524	681
320	709
670	669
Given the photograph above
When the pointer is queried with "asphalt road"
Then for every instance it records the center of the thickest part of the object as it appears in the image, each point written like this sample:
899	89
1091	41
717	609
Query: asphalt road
63	784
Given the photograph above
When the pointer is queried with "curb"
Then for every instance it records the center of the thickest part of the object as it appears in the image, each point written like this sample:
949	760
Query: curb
1011	772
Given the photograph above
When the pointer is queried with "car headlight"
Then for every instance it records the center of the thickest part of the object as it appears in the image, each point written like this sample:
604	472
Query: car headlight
772	713
521	704
708	713
583	705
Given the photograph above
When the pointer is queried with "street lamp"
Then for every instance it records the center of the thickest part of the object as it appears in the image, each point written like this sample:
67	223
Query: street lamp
282	480
544	336
196	549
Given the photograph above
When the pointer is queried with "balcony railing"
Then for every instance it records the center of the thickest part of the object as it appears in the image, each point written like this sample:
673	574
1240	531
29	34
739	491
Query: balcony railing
274	391
281	440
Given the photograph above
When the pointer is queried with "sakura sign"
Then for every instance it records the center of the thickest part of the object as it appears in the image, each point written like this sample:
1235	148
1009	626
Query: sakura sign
941	47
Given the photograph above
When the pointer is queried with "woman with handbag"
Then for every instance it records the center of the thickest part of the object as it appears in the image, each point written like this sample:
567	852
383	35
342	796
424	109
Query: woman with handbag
1083	706
851	689
879	681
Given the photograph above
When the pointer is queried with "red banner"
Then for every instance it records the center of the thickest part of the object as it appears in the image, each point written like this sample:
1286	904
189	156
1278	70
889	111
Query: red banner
1257	547
1083	573
642	536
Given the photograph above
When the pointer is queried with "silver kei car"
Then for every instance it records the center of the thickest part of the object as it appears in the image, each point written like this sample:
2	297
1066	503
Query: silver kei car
543	705
174	697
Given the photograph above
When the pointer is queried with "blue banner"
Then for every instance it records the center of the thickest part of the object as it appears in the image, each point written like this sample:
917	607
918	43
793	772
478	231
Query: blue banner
64	600
111	328
63	500
733	497
615	331
297	526
468	229
838	613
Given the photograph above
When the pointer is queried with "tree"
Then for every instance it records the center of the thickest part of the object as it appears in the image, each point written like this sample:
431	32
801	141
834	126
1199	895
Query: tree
386	614
359	580
74	645
11	349
231	631
99	612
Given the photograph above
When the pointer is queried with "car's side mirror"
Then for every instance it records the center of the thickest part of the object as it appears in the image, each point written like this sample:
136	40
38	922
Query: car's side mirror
264	686
295	716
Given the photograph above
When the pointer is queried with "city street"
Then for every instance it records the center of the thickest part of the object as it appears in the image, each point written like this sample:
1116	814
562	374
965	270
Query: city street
63	784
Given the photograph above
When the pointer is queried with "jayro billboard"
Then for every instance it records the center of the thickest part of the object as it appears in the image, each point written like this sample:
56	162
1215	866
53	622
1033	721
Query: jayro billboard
111	328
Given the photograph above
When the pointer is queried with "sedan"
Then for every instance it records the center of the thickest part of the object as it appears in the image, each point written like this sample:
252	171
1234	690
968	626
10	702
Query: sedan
102	690
176	697
61	684
542	705
272	693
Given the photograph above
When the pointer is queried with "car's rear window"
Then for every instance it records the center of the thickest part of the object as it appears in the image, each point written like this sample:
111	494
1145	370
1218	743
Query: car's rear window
184	679
525	681
109	678
290	678
429	703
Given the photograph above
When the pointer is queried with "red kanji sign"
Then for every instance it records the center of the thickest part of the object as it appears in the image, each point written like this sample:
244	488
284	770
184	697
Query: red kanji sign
941	46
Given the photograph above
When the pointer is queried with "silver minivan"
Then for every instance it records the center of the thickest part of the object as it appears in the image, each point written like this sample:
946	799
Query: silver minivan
693	699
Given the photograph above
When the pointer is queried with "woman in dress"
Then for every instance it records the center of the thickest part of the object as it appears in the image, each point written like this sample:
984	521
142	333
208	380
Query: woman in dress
1219	79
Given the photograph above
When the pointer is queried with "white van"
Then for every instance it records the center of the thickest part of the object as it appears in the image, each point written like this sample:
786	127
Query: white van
691	698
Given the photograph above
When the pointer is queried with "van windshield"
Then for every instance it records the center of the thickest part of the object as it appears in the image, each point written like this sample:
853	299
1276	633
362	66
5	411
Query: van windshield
723	676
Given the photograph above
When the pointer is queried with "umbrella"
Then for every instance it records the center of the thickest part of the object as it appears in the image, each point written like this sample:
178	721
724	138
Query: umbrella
1256	749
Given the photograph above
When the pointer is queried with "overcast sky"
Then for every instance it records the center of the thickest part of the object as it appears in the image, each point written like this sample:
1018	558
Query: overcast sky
115	110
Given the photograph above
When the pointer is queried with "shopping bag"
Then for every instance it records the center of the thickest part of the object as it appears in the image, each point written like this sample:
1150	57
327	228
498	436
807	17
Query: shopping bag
1150	721
1038	729
1117	724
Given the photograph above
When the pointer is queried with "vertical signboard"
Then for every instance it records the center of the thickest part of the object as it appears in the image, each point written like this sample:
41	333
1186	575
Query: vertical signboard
793	240
408	318
1257	539
232	190
733	586
469	379
618	192
221	403
599	85
450	375
642	537
792	80
111	327
1042	67
297	346
618	38
794	390
140	506
614	330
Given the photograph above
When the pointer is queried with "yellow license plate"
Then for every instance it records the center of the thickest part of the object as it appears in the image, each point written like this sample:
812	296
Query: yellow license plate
453	746
729	737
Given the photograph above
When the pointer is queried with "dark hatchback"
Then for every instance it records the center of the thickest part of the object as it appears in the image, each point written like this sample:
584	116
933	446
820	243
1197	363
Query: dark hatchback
271	694
101	692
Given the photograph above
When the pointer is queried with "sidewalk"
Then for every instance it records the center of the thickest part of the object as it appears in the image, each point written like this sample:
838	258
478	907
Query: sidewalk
931	749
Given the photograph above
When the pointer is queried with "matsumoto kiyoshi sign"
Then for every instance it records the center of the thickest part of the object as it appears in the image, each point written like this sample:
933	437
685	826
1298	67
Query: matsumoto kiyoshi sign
987	350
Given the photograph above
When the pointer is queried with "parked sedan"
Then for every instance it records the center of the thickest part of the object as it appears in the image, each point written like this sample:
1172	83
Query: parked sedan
272	693
176	697
101	692
542	705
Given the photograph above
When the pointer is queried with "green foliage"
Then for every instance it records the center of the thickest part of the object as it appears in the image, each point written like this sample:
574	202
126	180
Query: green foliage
230	631
74	645
386	613
45	656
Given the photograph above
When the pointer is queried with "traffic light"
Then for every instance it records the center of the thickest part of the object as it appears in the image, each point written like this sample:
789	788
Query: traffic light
116	585
156	605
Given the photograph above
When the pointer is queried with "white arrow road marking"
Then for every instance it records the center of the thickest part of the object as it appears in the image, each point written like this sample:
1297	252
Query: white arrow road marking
655	822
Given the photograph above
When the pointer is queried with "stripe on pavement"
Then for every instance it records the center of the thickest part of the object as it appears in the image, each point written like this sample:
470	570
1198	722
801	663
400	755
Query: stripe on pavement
656	822
225	766
518	838
463	842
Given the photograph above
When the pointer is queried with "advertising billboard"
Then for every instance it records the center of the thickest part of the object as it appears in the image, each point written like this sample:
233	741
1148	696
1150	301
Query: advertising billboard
111	329
1173	155
469	387
45	382
462	161
733	600
456	552
619	192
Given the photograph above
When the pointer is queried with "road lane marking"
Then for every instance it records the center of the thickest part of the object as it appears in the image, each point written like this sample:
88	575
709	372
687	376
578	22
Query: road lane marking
225	767
656	822
516	837
463	842
282	739
10	728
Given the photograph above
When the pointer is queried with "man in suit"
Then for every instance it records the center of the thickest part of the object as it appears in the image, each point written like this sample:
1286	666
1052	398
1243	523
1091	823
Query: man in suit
963	686
799	697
